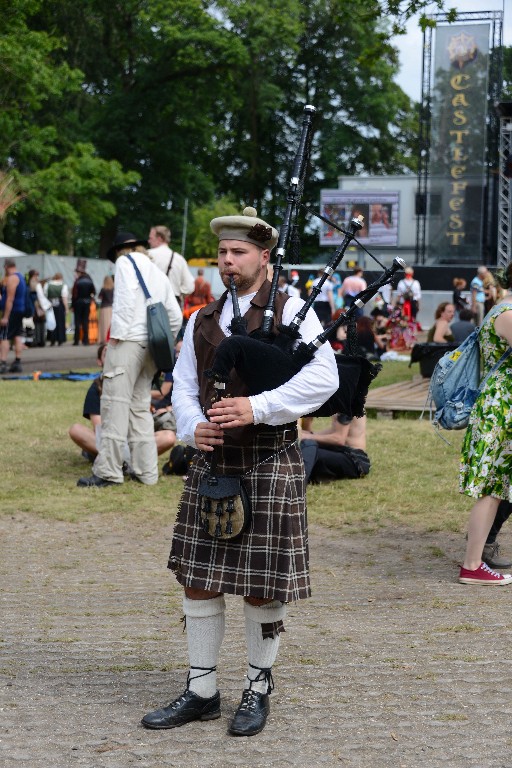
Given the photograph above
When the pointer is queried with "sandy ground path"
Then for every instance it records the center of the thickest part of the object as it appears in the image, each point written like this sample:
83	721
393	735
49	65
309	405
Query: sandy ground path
390	664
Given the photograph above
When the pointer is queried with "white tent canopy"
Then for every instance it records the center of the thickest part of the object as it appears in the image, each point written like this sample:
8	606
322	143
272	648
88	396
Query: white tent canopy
7	252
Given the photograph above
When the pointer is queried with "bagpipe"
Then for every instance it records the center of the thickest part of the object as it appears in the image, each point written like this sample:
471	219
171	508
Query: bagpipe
265	359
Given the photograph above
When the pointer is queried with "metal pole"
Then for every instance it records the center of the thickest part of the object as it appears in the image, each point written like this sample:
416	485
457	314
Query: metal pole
504	238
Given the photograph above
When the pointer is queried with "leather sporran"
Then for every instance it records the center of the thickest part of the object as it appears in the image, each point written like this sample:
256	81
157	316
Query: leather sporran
225	508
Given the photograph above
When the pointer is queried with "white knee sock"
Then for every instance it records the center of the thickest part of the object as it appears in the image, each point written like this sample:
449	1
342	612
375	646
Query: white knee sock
261	653
205	632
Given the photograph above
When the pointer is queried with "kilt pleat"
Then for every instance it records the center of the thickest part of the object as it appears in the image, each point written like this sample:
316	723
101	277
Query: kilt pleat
271	559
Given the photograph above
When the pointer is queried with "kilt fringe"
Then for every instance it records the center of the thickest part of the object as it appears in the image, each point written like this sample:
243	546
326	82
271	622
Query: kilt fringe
270	631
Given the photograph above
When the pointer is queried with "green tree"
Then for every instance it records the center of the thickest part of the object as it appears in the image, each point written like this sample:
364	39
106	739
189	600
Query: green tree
157	77
75	192
198	98
64	183
346	68
399	12
204	244
336	55
257	149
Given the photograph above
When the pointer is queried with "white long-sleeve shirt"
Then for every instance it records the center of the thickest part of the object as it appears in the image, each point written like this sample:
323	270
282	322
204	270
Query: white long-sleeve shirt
129	321
303	393
179	275
44	302
409	284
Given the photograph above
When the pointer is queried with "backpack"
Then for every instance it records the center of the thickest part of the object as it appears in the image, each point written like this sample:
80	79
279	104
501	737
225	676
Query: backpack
408	293
456	383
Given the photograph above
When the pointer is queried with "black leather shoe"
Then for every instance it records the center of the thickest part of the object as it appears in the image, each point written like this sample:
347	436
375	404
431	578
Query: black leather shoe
187	707
251	715
129	473
94	482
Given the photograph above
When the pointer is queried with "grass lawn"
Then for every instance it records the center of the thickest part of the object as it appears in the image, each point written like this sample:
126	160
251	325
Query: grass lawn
394	371
413	480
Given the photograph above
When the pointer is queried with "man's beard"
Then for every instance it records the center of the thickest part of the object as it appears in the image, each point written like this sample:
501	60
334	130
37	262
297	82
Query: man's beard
243	282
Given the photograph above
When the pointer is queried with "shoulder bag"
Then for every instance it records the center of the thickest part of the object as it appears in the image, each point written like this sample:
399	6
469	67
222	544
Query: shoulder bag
160	338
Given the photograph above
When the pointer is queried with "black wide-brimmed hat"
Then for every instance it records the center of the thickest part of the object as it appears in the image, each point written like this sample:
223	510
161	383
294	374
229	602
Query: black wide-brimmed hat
121	240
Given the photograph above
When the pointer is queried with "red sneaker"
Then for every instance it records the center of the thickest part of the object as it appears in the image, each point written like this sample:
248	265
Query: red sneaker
484	575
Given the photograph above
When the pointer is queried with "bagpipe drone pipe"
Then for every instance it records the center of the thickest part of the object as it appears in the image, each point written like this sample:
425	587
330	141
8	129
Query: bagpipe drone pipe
264	359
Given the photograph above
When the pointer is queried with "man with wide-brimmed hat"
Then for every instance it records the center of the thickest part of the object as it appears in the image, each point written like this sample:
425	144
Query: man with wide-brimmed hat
254	437
129	368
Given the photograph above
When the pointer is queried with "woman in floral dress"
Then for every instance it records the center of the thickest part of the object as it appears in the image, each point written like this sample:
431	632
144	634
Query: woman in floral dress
486	461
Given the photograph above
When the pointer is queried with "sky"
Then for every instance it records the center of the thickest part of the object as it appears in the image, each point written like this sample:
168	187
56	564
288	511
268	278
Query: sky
410	45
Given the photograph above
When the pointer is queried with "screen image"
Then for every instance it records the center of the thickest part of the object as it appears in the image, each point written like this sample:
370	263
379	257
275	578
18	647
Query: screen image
379	211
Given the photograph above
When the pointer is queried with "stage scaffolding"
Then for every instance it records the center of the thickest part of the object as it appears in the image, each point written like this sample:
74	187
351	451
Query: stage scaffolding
505	184
490	224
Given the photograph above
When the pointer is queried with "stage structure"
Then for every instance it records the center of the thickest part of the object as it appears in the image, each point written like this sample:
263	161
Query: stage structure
505	184
457	199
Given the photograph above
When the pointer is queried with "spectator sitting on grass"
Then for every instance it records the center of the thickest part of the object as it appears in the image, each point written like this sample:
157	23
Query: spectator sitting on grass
335	453
89	439
161	397
440	332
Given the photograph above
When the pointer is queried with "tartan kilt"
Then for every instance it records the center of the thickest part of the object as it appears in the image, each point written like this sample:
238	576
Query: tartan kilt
269	560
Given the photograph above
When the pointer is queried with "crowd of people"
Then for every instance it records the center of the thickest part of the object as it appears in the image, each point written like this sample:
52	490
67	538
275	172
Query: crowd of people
455	320
392	323
86	313
37	312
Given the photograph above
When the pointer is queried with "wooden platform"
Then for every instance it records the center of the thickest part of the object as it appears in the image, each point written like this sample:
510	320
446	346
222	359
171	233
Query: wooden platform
402	397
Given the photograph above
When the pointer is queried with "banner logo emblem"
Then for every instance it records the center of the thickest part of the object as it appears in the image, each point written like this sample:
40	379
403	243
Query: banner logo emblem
462	50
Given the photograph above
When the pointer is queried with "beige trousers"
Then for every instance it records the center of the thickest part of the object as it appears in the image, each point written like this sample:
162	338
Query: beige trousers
125	413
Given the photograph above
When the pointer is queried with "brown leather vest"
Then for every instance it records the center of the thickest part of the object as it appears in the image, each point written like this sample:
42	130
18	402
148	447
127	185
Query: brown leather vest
208	335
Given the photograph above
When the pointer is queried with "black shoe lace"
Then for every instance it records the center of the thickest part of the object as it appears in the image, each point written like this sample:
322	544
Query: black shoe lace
184	696
179	701
263	674
250	699
204	670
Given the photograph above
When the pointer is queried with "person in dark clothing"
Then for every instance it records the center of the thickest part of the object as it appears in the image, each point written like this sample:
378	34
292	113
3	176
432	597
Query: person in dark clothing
12	309
336	453
82	295
87	438
162	397
57	293
366	337
459	301
462	327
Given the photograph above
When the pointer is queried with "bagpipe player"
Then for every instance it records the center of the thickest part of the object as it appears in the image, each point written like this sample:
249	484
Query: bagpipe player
267	566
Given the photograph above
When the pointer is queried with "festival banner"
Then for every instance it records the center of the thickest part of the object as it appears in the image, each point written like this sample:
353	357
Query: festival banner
379	209
458	143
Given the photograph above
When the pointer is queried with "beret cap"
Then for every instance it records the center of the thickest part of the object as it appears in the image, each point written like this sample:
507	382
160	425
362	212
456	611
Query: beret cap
247	227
